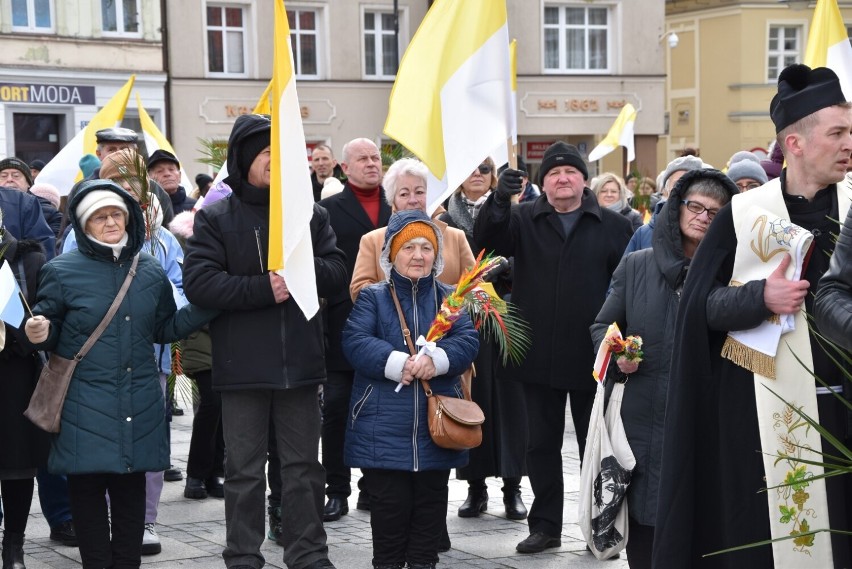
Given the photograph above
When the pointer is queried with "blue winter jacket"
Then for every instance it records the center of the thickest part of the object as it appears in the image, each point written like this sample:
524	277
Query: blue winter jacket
386	429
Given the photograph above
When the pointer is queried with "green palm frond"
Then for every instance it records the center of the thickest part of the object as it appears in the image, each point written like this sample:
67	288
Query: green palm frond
502	322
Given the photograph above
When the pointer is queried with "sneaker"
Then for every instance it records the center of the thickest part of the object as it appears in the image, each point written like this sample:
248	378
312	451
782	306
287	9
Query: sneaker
173	474
150	541
64	533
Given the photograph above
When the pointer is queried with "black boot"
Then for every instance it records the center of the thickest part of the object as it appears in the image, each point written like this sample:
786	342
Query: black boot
421	566
476	501
515	509
13	551
399	565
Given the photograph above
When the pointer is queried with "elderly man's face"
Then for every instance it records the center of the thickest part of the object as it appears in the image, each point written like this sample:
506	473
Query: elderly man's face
322	163
14	178
104	149
364	164
563	186
259	173
166	174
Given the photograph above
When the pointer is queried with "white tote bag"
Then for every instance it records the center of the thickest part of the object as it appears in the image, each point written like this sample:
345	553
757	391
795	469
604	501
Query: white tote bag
608	464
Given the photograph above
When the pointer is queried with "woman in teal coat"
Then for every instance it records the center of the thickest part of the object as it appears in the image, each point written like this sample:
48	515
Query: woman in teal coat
113	427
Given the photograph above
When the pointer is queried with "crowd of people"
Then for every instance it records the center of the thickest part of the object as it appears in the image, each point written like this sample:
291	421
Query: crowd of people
674	260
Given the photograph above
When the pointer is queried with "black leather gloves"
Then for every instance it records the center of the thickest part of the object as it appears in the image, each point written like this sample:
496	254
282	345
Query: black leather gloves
510	183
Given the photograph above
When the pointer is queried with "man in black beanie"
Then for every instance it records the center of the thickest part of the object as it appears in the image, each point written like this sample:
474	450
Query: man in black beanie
566	248
267	359
164	168
717	457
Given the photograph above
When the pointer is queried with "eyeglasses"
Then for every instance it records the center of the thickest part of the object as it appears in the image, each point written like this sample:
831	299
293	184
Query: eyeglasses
698	208
746	186
116	216
484	169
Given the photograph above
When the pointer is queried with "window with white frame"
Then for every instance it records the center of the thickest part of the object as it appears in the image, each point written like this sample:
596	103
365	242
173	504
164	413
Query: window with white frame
226	37
576	38
305	41
380	47
120	17
32	15
784	48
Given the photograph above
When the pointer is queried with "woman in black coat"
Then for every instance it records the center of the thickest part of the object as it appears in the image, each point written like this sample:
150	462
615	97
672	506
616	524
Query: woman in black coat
23	447
503	449
644	301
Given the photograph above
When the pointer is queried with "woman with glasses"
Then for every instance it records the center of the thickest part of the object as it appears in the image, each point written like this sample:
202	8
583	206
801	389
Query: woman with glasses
746	172
613	194
503	449
113	428
644	301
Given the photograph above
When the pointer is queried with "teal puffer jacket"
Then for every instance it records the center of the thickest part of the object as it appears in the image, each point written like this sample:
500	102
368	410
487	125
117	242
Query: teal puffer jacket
113	419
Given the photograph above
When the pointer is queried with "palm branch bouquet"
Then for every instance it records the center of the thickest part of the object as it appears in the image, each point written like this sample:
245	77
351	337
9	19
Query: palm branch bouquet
496	318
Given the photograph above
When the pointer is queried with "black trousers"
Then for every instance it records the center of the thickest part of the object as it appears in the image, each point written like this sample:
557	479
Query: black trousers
408	512
92	518
17	497
640	544
335	410
546	426
207	445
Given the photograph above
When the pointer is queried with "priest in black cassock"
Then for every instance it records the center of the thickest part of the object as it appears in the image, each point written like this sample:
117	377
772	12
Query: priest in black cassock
719	418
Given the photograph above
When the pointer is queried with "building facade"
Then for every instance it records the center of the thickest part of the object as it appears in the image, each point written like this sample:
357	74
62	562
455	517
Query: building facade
578	62
723	72
62	60
202	63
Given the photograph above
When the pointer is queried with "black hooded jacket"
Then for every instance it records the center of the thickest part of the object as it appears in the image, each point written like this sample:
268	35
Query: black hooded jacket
257	344
644	300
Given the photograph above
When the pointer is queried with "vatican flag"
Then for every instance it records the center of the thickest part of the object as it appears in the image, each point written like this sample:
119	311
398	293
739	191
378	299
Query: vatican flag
64	169
155	140
291	196
451	102
620	134
828	44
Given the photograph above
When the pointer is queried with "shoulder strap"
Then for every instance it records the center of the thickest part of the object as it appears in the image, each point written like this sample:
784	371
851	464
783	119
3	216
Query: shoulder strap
406	333
122	292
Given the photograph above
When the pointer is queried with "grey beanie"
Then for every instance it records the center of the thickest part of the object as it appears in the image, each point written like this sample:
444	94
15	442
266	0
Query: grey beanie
743	155
747	169
685	163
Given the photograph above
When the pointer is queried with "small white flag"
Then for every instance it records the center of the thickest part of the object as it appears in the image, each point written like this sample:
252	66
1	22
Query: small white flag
11	307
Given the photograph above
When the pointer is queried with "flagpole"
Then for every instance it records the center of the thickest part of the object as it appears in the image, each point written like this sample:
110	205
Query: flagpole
27	306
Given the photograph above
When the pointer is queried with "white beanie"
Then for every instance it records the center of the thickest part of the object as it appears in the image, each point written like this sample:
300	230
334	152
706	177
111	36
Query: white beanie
95	200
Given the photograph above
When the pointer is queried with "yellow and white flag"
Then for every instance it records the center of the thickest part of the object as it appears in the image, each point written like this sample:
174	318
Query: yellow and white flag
620	134
155	140
291	198
451	102
64	169
828	44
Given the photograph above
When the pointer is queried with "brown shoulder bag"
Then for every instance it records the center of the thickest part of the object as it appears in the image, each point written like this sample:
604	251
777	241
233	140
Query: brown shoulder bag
45	409
453	423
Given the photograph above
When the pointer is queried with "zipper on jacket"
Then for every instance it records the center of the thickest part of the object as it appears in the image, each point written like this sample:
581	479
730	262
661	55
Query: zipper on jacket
259	249
418	388
359	405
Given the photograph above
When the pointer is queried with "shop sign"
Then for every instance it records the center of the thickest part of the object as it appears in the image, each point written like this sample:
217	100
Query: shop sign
47	94
536	148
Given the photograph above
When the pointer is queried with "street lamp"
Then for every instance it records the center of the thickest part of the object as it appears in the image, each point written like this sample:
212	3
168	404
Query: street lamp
672	39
